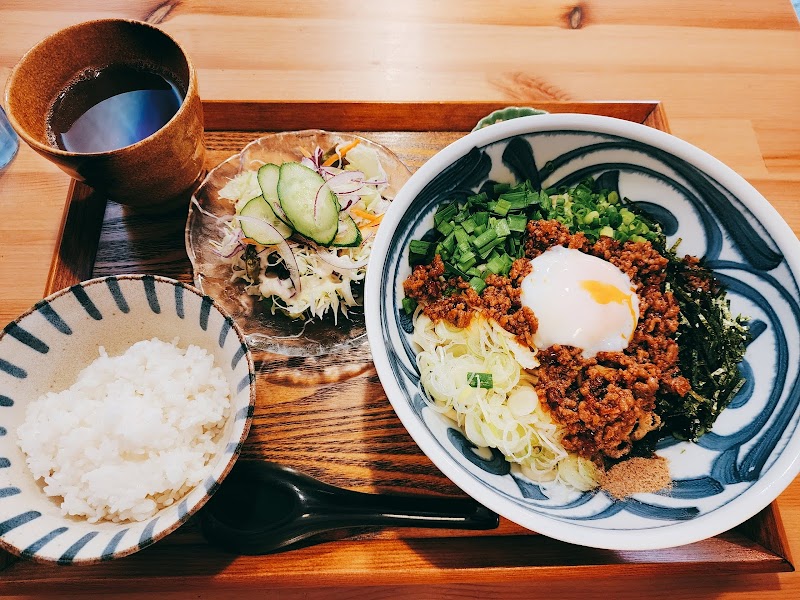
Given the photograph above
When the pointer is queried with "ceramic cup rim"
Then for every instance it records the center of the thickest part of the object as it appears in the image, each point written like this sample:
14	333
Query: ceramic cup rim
47	149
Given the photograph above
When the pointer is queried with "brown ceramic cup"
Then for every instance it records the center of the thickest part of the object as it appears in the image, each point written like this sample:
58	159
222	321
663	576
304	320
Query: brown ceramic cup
158	173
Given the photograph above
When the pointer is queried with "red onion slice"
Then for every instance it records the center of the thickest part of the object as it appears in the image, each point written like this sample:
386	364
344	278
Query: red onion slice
346	182
376	181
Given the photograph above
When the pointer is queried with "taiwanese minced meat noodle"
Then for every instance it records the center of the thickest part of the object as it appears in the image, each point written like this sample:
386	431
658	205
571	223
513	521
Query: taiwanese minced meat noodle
595	404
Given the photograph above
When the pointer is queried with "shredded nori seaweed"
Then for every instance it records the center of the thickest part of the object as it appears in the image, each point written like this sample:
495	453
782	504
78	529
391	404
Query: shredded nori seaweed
711	342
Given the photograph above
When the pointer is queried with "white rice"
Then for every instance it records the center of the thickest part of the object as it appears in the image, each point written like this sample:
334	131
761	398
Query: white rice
132	435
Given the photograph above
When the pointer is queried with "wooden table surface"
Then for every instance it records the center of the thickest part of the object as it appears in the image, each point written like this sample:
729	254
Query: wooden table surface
728	75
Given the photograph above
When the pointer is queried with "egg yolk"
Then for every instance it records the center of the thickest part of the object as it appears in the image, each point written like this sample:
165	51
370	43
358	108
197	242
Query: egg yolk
606	293
580	300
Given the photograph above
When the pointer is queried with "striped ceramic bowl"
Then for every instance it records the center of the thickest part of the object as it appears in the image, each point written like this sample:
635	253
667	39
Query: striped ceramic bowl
753	452
46	348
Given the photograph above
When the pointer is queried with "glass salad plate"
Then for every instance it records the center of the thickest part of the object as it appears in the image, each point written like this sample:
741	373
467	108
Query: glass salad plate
208	221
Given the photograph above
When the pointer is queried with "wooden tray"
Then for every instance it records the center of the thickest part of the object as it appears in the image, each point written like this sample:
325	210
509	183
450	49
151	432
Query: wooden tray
330	417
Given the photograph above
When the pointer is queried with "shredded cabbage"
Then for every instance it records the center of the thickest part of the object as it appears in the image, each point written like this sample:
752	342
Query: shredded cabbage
241	188
508	416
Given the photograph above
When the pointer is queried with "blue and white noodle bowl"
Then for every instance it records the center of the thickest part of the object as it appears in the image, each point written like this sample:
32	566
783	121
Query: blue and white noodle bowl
45	349
751	454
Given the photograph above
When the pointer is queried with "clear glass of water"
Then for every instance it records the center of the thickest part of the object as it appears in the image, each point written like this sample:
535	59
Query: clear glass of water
9	142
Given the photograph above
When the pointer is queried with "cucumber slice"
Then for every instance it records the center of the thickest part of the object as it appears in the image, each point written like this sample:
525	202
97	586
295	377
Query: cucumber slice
312	208
268	180
260	223
349	234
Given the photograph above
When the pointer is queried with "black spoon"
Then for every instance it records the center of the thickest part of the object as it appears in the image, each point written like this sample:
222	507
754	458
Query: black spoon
262	507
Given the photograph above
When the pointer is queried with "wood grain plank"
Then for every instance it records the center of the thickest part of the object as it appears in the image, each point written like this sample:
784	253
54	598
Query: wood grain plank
73	261
388	562
387	116
543	13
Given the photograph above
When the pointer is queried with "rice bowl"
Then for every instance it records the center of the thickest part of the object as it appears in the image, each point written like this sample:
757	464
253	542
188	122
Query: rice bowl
42	354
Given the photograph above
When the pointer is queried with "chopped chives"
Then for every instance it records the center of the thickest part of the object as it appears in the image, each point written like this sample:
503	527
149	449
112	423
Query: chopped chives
485	233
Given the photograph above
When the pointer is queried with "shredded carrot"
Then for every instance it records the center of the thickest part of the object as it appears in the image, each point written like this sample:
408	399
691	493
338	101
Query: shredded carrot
248	240
362	214
341	153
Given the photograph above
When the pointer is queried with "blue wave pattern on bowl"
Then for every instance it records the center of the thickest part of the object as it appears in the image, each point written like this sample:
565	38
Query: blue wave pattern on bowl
711	222
101	299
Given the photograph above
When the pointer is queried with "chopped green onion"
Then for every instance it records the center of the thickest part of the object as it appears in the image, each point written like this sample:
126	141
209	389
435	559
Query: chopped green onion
449	243
445	227
419	251
463	247
496	264
467	261
480	380
501	228
484	238
478	198
517	223
445	213
500	207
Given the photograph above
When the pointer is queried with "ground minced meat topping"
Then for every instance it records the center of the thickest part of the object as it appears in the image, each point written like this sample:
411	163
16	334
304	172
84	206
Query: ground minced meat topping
455	301
608	402
605	403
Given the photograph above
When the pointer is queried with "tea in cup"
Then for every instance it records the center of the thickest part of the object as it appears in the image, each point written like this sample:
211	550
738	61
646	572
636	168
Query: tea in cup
114	103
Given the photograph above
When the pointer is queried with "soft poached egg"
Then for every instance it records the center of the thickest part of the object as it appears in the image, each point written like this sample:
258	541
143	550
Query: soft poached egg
580	300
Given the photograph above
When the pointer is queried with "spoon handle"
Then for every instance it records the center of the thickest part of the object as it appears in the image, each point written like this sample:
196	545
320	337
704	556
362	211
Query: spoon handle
388	510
